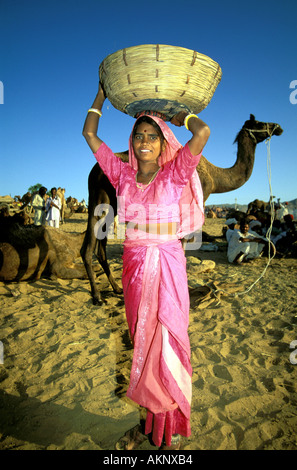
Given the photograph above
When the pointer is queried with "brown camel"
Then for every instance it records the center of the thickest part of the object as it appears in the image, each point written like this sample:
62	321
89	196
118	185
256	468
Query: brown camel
61	195
27	252
213	180
20	217
222	180
211	214
257	205
26	199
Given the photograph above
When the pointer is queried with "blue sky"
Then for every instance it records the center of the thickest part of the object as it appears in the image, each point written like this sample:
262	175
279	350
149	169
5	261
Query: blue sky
50	52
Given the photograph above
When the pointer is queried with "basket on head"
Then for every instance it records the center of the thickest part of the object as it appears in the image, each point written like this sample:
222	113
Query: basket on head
160	78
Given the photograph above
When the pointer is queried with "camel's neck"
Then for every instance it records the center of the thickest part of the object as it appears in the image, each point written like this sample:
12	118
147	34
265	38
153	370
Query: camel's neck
229	179
246	147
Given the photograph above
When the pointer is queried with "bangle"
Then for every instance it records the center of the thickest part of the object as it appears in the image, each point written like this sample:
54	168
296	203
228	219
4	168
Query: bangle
94	110
187	118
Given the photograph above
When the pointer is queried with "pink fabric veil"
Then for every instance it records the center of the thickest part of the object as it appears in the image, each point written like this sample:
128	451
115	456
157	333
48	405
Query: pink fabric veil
191	201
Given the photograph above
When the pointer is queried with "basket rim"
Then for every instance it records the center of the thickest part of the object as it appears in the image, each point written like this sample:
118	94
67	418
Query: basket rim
128	76
158	45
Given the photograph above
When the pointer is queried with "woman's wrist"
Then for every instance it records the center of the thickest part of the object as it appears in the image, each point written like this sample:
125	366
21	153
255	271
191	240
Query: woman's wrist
187	118
96	111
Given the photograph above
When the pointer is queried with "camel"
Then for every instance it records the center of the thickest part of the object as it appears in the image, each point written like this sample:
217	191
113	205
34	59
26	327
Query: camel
26	199
61	195
213	180
74	206
257	205
28	252
21	217
235	214
216	180
211	214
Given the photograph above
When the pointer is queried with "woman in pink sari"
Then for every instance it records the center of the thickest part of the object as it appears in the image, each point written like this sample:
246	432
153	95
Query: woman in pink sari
160	199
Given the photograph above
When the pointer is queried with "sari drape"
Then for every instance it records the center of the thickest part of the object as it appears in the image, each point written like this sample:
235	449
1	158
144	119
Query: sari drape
156	293
157	305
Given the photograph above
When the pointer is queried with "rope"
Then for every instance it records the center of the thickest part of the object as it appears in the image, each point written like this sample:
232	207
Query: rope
268	233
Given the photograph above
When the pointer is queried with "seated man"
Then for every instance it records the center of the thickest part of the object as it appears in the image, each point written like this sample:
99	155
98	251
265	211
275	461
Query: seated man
245	244
285	242
231	226
256	226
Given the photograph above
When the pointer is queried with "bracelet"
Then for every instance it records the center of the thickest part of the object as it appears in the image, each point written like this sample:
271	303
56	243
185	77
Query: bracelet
94	110
187	118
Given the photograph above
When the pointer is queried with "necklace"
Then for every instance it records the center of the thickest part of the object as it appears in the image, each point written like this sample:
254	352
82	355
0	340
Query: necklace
141	185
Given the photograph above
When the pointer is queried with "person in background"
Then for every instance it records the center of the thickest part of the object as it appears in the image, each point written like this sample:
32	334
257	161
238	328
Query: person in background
231	226
256	226
281	211
244	244
38	204
52	209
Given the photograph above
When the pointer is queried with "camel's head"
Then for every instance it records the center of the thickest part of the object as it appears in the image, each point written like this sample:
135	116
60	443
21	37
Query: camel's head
260	131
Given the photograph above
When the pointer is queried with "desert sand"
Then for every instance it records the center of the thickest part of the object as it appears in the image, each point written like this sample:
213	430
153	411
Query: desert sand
66	362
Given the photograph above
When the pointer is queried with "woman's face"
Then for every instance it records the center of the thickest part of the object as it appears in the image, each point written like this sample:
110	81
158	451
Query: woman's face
147	144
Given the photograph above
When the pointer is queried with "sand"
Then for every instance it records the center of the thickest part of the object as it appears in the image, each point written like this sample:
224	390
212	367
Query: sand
67	362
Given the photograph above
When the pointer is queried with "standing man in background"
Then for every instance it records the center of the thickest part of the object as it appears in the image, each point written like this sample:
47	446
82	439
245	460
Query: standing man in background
38	204
52	209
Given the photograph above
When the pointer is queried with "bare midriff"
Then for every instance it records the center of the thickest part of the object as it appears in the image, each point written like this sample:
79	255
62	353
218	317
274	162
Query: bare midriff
169	228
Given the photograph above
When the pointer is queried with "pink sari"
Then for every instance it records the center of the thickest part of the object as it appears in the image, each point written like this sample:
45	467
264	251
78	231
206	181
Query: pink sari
192	196
157	308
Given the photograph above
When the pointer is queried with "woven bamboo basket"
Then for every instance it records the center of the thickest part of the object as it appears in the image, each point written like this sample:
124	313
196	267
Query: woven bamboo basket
160	78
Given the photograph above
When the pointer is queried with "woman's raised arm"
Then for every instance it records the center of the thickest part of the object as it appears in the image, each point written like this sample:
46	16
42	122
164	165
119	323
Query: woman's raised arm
199	129
92	120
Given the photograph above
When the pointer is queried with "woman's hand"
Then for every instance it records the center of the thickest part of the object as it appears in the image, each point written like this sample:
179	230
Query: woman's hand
178	119
101	93
199	129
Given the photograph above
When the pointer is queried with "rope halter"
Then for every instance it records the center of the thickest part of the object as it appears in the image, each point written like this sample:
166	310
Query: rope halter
270	134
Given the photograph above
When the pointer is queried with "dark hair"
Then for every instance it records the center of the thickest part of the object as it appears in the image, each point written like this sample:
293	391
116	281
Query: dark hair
42	190
243	222
150	121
